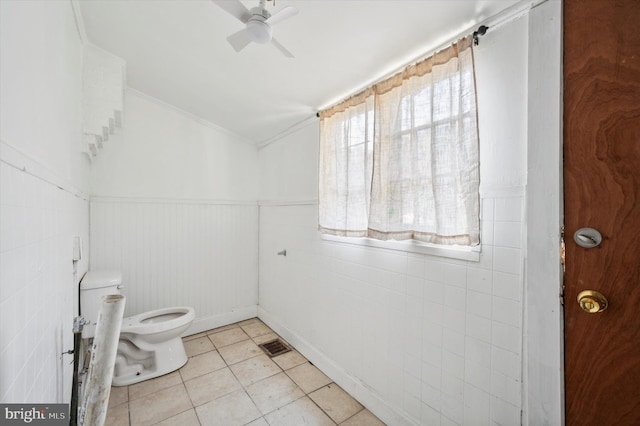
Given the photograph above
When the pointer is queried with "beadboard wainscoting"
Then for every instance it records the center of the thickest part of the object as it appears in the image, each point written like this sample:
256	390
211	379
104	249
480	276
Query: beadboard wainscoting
180	252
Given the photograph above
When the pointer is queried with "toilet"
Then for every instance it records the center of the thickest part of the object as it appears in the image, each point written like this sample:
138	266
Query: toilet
150	343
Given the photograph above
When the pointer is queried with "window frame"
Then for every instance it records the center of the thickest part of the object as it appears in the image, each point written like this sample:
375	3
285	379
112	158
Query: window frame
468	253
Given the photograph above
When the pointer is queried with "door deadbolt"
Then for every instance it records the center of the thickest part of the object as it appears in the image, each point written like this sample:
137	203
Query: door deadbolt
587	237
592	302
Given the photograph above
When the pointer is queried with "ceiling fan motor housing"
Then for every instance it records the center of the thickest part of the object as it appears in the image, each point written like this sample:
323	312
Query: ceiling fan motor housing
260	13
259	31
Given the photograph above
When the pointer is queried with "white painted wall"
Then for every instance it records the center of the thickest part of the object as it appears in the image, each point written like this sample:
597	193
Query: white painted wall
289	168
173	207
43	198
418	339
163	152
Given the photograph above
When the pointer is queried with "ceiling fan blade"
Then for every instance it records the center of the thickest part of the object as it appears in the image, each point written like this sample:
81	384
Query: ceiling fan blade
239	40
235	9
281	48
285	13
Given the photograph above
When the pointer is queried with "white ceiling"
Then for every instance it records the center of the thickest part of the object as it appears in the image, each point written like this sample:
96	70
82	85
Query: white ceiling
176	51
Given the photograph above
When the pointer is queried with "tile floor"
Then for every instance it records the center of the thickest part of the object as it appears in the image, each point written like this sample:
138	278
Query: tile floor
229	381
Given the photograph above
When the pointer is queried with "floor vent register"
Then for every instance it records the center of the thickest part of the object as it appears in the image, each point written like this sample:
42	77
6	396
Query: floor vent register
274	348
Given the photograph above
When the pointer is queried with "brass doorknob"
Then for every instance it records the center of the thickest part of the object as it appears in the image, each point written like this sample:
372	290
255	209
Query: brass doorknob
592	302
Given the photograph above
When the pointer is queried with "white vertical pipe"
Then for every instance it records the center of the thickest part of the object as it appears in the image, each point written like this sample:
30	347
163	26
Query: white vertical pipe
543	384
93	410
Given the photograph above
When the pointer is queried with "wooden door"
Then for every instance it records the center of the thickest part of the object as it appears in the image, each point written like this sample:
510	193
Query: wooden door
602	191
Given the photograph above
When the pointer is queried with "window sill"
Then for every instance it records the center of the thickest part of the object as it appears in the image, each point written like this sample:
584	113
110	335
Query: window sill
471	254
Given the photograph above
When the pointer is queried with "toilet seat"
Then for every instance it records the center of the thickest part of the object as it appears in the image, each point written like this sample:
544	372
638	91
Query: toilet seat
158	320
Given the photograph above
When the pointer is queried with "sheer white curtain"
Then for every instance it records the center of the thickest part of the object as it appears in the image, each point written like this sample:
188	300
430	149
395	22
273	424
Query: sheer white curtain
345	167
424	178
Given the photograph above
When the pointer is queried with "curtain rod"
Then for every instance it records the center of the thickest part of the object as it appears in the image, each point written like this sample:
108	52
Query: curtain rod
509	14
482	30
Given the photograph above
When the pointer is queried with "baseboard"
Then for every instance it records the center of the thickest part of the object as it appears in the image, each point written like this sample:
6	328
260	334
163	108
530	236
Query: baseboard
355	387
207	323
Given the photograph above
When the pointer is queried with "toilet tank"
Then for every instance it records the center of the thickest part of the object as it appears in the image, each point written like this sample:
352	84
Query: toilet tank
93	286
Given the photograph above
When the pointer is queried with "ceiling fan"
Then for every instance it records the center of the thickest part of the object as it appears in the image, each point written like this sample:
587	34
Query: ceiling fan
258	23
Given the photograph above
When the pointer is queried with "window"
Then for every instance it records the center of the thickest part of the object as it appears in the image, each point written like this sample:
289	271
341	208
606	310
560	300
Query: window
400	160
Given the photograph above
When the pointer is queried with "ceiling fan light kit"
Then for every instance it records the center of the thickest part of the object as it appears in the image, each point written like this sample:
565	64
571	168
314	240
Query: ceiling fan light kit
259	32
258	24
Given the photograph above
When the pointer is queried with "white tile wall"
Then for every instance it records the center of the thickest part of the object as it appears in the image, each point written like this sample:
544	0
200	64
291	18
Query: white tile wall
40	133
174	253
440	339
38	287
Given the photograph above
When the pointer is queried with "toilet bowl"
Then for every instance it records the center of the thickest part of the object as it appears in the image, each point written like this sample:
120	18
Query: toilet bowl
150	344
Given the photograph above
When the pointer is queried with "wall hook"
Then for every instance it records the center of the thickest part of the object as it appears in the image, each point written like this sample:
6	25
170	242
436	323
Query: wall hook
282	253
